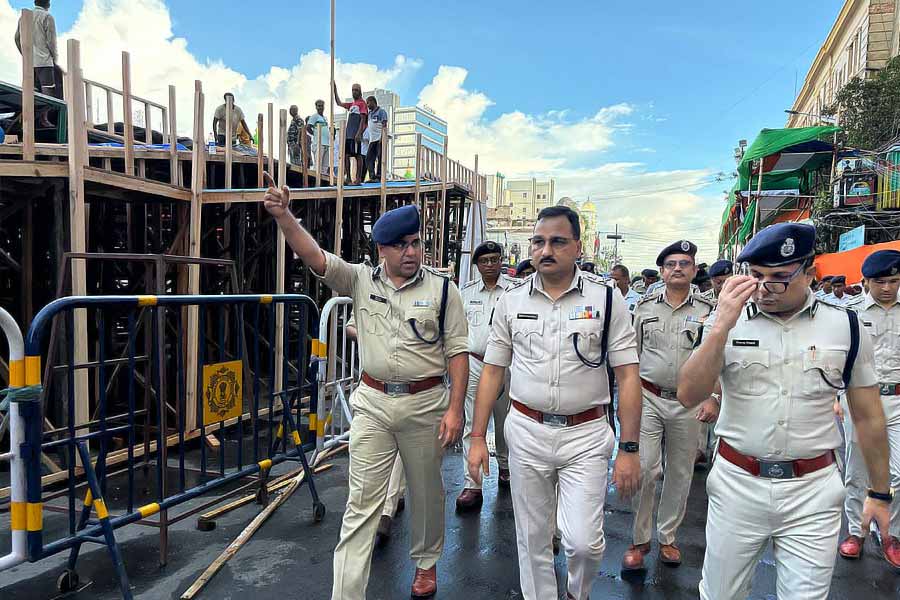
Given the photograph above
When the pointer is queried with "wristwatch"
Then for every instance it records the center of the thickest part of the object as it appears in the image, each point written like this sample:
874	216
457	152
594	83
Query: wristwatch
630	447
883	496
717	398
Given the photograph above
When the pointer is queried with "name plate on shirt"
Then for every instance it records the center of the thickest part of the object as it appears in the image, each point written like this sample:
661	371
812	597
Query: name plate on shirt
585	312
693	319
421	303
377	298
479	302
745	343
527	316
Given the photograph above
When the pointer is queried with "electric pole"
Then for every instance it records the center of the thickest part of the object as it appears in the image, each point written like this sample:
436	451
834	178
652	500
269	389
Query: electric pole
616	237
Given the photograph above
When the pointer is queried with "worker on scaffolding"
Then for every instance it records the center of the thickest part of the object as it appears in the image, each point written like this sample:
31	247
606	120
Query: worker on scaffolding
47	75
412	333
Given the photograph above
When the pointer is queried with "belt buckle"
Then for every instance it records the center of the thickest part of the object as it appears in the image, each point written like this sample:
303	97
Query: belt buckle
783	469
668	394
888	389
555	420
395	389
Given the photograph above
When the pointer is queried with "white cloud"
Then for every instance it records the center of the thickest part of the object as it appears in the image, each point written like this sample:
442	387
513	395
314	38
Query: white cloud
658	205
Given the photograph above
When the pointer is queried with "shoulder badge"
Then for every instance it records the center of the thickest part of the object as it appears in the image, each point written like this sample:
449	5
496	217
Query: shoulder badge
470	283
434	271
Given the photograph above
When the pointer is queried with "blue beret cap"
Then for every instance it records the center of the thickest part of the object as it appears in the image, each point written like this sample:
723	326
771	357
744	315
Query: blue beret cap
721	267
839	279
883	263
650	273
780	244
679	247
395	224
525	264
487	247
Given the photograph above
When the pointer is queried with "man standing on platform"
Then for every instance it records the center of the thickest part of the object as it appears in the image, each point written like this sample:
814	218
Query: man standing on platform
412	334
879	314
556	332
668	325
780	354
357	122
46	76
479	298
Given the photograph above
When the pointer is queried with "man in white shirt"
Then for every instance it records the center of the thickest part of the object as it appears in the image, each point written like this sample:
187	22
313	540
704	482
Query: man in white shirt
620	275
838	295
377	130
45	55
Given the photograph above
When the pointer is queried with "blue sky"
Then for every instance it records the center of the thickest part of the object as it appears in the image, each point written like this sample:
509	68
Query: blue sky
694	76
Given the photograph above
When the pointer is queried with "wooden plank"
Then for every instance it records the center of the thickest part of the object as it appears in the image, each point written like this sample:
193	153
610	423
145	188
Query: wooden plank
26	39
229	142
198	169
324	193
174	176
89	105
260	167
271	115
77	148
418	184
148	125
128	118
33	169
110	113
382	191
442	212
319	156
280	255
304	157
137	184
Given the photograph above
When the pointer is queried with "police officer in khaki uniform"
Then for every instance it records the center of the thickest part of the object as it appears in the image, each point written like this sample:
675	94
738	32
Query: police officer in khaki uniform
556	332
479	297
879	313
412	332
780	358
668	326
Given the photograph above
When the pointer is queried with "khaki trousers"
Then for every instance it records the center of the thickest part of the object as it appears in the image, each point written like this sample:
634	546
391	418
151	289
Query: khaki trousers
396	488
664	421
576	459
856	476
801	516
382	426
501	408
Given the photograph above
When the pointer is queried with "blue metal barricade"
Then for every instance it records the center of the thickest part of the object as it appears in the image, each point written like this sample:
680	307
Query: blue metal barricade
239	381
18	508
337	374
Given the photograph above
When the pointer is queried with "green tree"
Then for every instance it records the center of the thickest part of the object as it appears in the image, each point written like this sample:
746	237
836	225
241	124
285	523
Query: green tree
869	109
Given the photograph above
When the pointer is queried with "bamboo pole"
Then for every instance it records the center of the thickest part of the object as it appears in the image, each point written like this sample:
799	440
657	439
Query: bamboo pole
318	155
304	156
77	150
756	212
26	39
280	254
174	179
339	201
383	189
259	151
229	148
443	209
128	119
271	115
148	127
331	89
418	177
332	131
198	168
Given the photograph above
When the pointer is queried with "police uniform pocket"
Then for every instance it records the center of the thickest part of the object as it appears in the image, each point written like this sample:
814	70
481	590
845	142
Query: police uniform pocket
425	320
475	315
587	333
823	363
374	318
745	369
653	334
526	334
689	335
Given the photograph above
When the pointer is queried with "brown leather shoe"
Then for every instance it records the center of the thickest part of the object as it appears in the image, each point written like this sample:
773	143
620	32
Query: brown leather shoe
384	530
634	557
851	547
670	555
503	478
425	583
892	552
469	499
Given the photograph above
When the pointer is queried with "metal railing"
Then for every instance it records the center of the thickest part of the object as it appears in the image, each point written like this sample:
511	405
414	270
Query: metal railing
337	374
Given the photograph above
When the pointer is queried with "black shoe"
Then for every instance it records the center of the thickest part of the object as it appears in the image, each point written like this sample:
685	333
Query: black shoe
384	531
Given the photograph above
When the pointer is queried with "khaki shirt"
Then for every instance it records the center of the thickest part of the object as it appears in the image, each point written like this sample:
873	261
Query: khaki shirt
389	350
667	335
479	303
884	327
775	404
533	335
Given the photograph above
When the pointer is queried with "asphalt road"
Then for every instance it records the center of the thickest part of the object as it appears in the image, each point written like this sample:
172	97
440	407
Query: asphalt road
291	558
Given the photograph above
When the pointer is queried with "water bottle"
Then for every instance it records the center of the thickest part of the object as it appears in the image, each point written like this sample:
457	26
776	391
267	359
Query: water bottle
211	143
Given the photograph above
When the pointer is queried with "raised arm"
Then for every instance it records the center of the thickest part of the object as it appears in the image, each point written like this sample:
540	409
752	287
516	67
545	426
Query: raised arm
337	99
699	375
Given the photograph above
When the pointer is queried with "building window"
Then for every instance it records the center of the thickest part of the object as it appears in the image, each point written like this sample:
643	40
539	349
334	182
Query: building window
405	128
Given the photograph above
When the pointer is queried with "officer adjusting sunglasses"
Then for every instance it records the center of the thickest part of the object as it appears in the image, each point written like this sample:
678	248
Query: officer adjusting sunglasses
780	286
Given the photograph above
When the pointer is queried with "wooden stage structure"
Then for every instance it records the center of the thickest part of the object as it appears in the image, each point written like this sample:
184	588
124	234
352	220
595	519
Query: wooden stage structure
123	209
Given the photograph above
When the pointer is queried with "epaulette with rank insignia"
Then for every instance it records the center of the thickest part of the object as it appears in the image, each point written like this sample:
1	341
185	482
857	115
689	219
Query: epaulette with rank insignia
470	283
646	299
435	271
704	300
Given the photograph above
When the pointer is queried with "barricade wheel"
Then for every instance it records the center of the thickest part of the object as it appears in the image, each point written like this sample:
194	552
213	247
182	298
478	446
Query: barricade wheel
67	581
318	512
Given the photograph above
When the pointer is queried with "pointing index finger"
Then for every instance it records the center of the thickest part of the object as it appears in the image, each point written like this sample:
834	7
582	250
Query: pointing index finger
268	179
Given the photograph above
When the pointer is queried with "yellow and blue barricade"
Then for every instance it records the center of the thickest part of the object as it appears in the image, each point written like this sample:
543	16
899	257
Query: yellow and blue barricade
17	393
239	379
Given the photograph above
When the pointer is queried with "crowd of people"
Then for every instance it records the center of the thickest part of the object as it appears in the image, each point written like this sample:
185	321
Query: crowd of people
547	357
362	136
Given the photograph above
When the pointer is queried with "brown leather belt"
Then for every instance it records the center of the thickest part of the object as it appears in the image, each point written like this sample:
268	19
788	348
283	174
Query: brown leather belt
552	420
655	389
396	388
784	469
478	357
